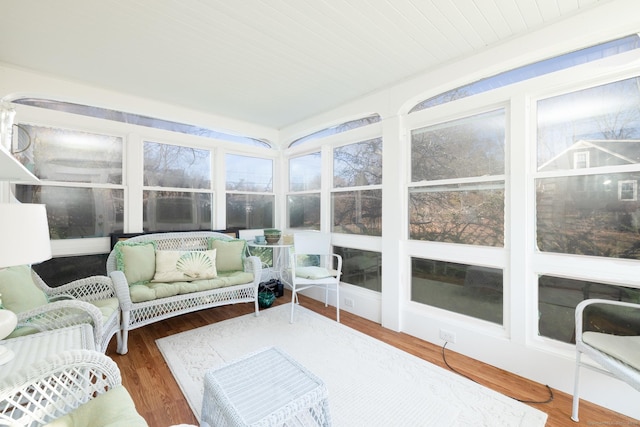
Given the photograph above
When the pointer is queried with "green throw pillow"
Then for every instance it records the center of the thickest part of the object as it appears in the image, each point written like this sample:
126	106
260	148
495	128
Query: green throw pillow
185	266
229	253
137	260
18	292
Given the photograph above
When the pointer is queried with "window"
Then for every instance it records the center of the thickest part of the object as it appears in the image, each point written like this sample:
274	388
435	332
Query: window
250	197
342	127
466	289
540	68
457	174
628	190
588	146
177	188
581	160
558	298
81	180
136	119
303	201
356	199
361	268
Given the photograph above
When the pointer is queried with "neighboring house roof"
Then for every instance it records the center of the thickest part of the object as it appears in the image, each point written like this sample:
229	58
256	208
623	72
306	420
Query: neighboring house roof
627	150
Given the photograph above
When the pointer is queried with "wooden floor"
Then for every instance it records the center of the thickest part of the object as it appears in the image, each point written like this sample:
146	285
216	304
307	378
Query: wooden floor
160	401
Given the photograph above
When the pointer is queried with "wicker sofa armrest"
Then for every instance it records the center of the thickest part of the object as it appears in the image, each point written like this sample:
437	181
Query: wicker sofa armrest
252	264
87	289
55	386
121	287
61	314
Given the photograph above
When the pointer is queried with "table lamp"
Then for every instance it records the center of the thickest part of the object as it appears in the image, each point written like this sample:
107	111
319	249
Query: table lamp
24	239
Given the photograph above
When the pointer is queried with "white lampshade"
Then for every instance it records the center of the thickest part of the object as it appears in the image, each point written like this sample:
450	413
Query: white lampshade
24	234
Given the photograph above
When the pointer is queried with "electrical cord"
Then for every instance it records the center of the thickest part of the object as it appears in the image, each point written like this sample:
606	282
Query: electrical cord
444	359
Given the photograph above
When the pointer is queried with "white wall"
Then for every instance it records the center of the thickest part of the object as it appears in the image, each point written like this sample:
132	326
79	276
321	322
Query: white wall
514	346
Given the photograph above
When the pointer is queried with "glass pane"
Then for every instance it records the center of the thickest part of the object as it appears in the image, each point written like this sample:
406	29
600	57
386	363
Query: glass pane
250	211
358	164
590	128
304	211
176	211
305	172
175	166
75	212
466	289
249	173
343	127
470	214
136	119
473	146
589	215
357	212
361	268
70	156
533	70
558	298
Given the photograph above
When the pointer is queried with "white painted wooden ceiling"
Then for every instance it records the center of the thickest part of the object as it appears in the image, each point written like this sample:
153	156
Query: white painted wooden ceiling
269	62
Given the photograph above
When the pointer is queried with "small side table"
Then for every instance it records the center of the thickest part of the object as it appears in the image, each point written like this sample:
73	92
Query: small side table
280	258
267	388
35	347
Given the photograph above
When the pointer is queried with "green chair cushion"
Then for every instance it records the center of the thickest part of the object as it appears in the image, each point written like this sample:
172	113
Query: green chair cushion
314	273
115	408
624	348
18	291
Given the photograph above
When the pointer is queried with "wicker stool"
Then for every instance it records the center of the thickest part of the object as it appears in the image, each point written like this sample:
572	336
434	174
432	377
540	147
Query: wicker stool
267	388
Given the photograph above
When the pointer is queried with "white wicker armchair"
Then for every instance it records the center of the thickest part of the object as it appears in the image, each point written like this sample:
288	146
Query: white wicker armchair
89	300
84	381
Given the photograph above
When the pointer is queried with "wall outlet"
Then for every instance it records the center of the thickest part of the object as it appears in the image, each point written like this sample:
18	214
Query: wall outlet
348	302
448	336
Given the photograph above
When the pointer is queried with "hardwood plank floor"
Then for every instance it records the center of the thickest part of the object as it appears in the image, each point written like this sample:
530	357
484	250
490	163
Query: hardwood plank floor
160	401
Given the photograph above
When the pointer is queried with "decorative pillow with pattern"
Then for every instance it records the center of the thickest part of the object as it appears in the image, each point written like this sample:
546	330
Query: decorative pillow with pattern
185	266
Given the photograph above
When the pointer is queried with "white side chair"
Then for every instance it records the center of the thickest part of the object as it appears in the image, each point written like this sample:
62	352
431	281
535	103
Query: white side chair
617	355
314	264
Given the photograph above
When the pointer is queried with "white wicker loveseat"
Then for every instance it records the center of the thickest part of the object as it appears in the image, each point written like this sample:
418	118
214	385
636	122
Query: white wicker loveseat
149	293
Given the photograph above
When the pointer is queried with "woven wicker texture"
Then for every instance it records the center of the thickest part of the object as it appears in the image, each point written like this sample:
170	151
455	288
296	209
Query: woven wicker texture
136	315
55	386
266	388
75	303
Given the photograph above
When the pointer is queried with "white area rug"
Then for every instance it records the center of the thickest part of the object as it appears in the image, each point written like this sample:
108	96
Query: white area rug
370	383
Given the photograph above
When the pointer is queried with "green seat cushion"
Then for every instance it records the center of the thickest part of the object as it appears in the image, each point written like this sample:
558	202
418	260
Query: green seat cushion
623	348
107	307
229	253
115	408
18	291
137	260
156	290
314	273
182	266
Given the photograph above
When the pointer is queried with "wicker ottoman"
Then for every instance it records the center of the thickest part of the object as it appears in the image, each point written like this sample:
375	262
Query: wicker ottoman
267	388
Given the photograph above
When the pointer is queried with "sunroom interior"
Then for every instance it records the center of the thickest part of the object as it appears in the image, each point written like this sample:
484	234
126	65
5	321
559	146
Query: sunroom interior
480	182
